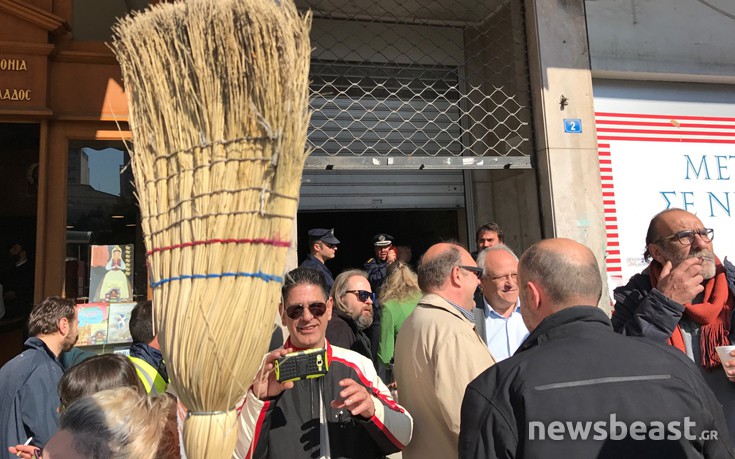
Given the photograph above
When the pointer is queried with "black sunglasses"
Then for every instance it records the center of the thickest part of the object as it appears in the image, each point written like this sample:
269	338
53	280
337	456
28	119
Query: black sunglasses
474	269
297	310
362	295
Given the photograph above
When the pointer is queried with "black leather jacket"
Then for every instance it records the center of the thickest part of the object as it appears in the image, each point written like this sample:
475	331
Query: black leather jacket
574	368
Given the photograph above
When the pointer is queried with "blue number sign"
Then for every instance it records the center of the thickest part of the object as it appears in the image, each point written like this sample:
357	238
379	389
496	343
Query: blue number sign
573	125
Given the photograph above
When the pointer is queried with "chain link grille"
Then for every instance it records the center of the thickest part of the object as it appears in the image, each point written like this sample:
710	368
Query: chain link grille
419	79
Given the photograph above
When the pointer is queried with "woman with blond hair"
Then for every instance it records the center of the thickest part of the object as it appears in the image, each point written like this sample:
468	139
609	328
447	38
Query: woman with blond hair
398	296
120	423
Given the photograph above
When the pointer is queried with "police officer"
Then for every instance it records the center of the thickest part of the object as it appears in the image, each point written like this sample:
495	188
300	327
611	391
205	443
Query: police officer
385	254
323	247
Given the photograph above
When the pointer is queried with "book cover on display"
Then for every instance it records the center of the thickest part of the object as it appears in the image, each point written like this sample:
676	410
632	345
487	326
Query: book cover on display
111	273
119	320
92	323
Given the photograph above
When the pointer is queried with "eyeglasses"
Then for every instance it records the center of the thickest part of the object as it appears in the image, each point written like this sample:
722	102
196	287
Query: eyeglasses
362	295
297	310
331	246
473	269
687	237
507	277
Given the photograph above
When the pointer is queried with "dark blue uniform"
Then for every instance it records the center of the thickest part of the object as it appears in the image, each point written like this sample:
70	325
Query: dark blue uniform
312	262
376	275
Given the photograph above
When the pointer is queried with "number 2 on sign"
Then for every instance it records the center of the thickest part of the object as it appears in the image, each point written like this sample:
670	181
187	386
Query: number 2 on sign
573	125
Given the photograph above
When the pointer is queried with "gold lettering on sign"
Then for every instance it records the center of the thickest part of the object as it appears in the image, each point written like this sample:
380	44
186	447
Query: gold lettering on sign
17	65
15	94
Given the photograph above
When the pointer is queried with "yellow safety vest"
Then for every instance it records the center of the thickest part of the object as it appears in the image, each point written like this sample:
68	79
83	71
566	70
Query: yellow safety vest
152	380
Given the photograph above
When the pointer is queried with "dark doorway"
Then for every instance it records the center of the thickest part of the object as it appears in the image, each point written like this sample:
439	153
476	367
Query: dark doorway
417	228
19	176
19	143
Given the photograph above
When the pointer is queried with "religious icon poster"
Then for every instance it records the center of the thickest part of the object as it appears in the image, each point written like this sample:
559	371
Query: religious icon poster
111	273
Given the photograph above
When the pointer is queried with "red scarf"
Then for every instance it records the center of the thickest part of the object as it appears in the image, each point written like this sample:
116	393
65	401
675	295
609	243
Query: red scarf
712	314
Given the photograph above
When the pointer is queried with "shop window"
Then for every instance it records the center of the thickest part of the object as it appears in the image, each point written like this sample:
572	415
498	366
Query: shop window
105	254
92	20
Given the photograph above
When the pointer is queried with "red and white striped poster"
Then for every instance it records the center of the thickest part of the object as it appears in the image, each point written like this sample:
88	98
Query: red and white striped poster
652	161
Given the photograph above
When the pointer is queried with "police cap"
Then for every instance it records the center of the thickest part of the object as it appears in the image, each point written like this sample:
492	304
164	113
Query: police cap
325	235
382	240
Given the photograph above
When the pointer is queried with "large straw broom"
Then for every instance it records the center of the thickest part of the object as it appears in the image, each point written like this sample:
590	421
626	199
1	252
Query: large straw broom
218	97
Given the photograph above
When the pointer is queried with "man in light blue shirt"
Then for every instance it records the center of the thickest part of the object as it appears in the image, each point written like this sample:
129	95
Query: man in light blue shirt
497	308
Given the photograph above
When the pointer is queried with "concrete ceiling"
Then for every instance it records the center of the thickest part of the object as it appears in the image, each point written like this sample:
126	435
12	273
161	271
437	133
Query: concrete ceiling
452	12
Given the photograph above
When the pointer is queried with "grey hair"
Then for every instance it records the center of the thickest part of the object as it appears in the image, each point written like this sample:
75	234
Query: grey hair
340	287
434	272
482	255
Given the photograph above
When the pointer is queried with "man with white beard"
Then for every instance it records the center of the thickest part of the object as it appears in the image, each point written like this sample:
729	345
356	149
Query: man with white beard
353	312
684	298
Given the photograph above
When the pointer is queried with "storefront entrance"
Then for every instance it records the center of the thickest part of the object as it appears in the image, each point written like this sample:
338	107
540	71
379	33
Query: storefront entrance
19	145
418	229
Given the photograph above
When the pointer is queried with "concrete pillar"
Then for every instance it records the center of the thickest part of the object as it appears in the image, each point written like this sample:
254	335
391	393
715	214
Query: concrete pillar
570	193
500	114
510	199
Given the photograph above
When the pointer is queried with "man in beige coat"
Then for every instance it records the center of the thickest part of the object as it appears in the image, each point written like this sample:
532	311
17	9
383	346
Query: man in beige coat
438	351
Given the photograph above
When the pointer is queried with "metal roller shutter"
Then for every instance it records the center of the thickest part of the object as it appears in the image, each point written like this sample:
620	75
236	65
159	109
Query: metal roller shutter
375	190
371	111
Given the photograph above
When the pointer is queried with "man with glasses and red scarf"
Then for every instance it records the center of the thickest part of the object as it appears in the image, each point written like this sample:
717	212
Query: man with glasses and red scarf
684	298
353	312
348	413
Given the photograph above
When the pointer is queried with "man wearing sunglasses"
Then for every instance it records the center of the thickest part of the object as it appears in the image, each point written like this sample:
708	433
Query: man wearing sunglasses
323	246
684	298
438	351
353	312
348	412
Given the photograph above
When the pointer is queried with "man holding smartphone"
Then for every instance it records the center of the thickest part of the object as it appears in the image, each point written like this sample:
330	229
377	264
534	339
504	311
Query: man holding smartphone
348	412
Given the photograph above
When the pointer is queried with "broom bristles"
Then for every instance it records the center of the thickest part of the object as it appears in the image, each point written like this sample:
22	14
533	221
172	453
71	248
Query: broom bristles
218	97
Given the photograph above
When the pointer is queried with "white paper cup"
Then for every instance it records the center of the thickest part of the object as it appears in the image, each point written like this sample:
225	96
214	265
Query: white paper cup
724	353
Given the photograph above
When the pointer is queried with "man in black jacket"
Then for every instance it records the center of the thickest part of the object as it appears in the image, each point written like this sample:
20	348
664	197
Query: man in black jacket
29	406
575	388
353	312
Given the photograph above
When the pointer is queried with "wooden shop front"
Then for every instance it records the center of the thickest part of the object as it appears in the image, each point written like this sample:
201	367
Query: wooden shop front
63	123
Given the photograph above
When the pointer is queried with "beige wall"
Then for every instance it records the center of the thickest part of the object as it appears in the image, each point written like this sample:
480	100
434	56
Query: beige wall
568	169
510	199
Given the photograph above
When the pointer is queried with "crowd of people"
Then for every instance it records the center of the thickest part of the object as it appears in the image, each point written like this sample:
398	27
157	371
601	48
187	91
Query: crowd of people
472	355
100	406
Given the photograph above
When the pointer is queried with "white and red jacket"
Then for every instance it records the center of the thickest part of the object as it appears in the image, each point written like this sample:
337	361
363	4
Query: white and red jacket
300	423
